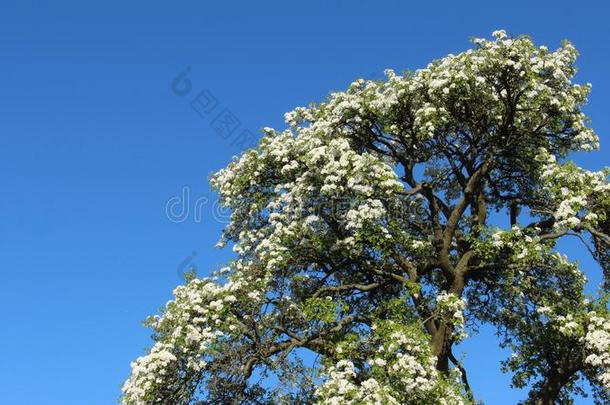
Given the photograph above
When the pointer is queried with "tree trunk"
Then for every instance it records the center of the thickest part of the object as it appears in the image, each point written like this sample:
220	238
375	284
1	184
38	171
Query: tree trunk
551	387
440	348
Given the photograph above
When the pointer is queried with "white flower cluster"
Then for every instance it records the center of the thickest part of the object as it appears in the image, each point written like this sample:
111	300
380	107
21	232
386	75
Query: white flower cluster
450	308
330	172
197	317
341	389
592	330
579	195
402	371
147	372
370	211
413	374
597	345
524	248
545	81
568	325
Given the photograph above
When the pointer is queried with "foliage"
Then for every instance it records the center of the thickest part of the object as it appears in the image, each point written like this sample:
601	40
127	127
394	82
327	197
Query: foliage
364	234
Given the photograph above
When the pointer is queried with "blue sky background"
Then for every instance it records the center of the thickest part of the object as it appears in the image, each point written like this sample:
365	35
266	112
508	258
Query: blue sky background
94	143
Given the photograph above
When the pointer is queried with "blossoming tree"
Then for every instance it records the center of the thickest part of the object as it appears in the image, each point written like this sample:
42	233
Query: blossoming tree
386	223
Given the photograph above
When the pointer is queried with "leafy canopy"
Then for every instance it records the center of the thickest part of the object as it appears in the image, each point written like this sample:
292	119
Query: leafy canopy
386	223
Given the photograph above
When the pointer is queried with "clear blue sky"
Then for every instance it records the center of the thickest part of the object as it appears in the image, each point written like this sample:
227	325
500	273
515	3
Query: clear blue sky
94	142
